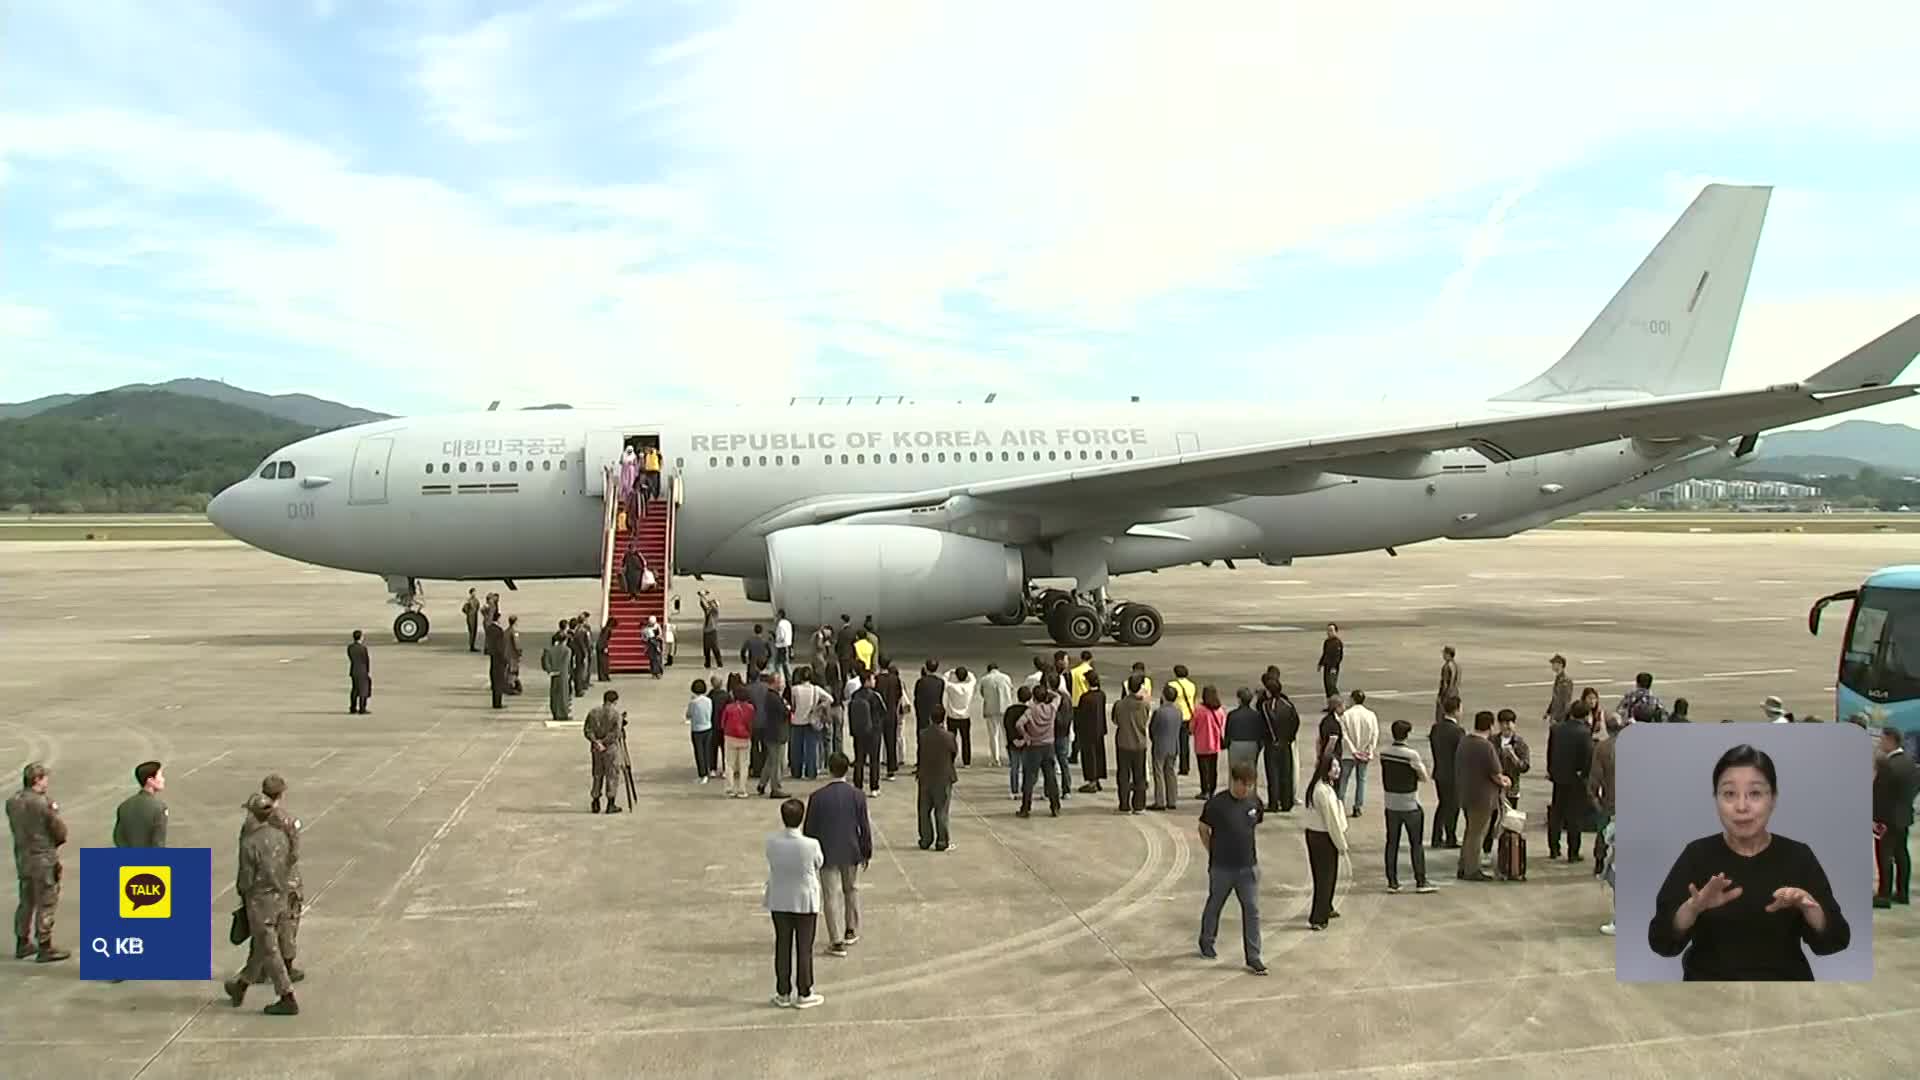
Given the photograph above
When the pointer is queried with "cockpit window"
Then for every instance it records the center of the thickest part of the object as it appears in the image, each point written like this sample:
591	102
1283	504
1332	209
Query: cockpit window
266	471
286	470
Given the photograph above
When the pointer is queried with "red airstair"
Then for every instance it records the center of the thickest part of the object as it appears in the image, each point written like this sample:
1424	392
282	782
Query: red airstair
627	652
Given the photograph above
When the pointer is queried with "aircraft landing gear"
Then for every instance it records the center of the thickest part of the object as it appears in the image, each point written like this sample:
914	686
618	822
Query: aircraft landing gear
1076	623
412	624
410	627
1137	624
1013	616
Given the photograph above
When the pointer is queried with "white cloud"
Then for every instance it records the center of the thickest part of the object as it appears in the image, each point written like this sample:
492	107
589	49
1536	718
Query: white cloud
21	321
464	76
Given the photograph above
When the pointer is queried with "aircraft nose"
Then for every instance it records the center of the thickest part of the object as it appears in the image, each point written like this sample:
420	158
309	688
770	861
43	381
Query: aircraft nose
224	511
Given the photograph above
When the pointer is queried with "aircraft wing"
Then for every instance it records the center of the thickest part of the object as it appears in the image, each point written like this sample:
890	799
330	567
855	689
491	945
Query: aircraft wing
1205	475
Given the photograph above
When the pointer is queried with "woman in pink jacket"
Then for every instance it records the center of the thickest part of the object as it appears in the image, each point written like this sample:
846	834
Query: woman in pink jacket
1209	727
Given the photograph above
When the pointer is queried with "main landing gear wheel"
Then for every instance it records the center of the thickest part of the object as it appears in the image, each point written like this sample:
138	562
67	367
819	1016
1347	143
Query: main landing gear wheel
1139	624
1051	603
1013	616
410	626
1076	625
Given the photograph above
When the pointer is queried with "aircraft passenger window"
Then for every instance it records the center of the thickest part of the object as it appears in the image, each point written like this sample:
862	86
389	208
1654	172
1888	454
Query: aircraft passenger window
1004	456
713	463
446	467
893	459
843	459
496	466
779	459
1023	455
513	466
529	466
763	461
973	455
1050	455
463	466
266	471
1129	455
286	470
729	461
679	463
943	457
429	468
547	465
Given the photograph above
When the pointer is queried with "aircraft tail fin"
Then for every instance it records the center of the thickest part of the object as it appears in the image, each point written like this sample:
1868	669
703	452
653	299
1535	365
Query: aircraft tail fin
1670	327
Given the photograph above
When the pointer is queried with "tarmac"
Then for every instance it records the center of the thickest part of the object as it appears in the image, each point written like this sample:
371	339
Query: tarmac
467	917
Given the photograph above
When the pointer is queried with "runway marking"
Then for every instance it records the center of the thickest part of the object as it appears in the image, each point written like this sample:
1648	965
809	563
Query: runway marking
423	911
1438	984
1440	586
1465	1064
1596	661
1599	622
446	827
1697	581
572	1034
143	637
210	761
1754	618
1289	581
1772	581
324	758
1275	629
1744	674
1519	685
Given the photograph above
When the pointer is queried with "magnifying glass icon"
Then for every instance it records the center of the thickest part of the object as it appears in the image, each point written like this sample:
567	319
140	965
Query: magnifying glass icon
99	945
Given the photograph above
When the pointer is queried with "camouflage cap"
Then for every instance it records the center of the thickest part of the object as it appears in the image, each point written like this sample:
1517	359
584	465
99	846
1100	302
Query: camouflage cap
259	805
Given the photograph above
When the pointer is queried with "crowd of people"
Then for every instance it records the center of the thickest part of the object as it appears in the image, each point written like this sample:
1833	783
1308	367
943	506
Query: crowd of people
852	711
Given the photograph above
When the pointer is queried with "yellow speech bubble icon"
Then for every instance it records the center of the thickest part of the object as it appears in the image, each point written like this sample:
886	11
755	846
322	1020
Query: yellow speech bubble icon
146	892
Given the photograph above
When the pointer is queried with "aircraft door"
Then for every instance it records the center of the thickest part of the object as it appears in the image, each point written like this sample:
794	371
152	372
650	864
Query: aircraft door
368	486
603	452
1186	442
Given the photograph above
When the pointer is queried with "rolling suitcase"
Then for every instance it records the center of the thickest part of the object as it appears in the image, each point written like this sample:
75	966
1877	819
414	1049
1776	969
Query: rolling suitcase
1510	856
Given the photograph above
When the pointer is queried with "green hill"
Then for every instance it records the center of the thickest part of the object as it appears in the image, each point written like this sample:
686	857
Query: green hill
297	408
133	451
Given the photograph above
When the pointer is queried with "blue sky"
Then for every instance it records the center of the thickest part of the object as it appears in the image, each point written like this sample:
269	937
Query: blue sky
427	205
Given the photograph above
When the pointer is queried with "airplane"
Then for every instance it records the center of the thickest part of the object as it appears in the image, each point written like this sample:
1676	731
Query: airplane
925	513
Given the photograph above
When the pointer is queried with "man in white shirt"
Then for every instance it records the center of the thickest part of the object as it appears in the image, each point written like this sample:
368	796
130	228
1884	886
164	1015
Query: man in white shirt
783	644
996	697
793	899
1359	740
957	699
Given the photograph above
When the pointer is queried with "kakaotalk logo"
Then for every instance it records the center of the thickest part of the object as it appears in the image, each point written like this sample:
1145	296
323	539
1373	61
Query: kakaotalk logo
146	892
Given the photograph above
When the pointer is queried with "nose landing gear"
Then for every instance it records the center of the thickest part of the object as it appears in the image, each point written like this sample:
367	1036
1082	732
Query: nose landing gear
412	624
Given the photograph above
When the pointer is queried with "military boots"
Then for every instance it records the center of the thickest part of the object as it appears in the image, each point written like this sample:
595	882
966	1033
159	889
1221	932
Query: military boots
22	948
48	955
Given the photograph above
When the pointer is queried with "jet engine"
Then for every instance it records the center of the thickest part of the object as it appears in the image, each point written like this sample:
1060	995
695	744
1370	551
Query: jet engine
902	575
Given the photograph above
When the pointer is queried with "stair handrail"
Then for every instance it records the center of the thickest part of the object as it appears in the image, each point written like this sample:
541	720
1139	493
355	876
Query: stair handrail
608	535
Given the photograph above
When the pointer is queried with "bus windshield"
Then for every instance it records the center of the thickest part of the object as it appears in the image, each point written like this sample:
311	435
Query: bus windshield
1881	659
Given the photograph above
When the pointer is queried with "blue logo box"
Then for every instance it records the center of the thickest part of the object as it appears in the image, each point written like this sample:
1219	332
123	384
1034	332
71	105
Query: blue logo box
146	913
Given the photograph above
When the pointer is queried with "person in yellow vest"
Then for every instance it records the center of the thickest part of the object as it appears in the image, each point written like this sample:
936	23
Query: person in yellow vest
649	474
1185	696
1140	669
863	651
1077	675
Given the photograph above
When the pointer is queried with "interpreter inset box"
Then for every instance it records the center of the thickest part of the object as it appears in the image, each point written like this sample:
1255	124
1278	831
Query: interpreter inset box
1743	852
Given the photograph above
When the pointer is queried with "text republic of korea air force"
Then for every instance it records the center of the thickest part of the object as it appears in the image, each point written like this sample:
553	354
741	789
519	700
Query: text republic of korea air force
921	439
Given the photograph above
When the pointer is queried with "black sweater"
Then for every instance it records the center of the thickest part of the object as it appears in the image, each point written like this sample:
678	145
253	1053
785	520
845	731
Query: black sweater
1742	940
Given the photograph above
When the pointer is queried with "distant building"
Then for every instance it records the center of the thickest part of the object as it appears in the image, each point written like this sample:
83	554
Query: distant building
1710	492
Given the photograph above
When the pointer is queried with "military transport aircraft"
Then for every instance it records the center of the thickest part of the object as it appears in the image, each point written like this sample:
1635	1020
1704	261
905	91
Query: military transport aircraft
923	513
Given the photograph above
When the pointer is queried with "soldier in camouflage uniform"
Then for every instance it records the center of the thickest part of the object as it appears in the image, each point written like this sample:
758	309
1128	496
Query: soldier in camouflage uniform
262	882
38	833
602	730
275	787
557	661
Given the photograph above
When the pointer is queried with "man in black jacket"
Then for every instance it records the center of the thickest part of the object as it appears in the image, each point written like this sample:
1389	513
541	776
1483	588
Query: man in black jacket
1332	652
1895	780
1283	727
1443	738
1569	763
359	675
928	693
866	722
837	818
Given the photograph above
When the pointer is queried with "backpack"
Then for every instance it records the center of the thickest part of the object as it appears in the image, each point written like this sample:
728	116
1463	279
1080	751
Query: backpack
1647	711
